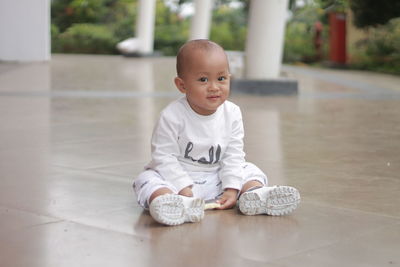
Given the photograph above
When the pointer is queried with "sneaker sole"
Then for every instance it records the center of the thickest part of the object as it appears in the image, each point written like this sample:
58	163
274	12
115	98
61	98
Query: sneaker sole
278	201
171	210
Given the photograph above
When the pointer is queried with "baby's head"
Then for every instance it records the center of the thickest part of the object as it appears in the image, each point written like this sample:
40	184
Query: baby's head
203	75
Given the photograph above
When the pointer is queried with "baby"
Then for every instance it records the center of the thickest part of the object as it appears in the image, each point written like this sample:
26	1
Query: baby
197	149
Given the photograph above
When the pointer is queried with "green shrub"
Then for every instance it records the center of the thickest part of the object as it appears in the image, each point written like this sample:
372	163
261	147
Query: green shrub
228	28
168	38
122	18
54	31
229	39
221	33
299	34
124	28
298	43
87	38
171	31
381	50
65	13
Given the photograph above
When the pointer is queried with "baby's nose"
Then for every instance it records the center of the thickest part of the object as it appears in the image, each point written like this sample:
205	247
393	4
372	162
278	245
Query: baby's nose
213	87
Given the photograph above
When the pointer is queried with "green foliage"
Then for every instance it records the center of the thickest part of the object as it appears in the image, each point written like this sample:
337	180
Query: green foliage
229	28
124	28
299	34
54	37
87	38
298	42
122	18
381	50
171	31
64	13
308	14
96	26
333	5
169	38
371	12
73	21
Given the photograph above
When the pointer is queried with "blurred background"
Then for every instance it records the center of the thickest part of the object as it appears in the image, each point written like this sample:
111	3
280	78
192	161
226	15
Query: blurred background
356	34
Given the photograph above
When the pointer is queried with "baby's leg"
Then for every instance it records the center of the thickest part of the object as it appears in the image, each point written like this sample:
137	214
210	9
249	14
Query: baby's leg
148	185
163	201
250	185
258	198
253	177
160	192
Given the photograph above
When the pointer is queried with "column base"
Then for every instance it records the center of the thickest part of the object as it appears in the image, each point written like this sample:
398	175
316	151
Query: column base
278	86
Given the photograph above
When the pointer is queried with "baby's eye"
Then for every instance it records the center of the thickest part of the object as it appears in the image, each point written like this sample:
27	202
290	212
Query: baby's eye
203	79
222	78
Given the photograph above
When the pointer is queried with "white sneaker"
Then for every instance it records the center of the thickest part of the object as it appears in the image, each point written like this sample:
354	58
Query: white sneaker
275	200
176	209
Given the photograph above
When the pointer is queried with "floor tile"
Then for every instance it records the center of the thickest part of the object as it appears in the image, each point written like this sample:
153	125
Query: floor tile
76	132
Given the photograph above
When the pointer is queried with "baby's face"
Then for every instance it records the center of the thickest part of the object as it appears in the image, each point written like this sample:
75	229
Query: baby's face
206	80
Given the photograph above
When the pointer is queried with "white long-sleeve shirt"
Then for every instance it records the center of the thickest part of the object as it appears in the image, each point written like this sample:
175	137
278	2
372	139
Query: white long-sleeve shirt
184	141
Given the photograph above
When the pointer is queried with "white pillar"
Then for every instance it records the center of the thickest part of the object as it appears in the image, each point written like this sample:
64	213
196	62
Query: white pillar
145	26
200	28
264	45
25	30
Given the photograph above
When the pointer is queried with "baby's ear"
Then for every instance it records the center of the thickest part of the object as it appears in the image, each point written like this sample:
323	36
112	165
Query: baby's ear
179	83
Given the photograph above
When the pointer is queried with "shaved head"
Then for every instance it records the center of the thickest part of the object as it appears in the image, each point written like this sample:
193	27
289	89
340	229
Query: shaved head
184	55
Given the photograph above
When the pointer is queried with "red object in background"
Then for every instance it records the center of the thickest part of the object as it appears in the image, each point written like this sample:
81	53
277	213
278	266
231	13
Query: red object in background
337	37
318	40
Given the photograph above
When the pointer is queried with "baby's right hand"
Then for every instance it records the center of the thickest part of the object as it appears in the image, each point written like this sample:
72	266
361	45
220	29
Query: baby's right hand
187	192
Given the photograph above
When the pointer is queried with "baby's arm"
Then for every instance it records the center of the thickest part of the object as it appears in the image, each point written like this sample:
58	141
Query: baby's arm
231	171
165	152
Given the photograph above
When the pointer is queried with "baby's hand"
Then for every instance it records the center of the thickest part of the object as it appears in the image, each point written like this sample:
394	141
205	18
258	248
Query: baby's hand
187	192
228	199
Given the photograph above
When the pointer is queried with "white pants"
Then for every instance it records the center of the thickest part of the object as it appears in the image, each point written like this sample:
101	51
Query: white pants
207	185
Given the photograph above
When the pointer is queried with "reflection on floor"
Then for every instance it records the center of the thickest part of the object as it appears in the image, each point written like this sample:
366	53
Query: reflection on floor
76	131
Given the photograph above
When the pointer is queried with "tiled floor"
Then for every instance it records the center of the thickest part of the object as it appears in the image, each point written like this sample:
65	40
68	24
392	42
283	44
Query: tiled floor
74	133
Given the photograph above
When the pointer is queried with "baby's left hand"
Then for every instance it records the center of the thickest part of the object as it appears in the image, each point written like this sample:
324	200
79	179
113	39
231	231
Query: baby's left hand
228	199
